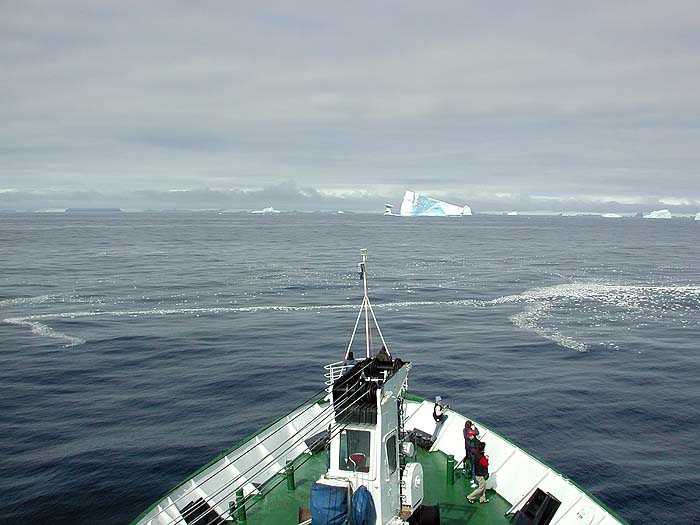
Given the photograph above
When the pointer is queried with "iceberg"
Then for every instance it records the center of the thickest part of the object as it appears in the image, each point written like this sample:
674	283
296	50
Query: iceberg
611	216
697	216
512	213
388	209
658	214
265	211
419	205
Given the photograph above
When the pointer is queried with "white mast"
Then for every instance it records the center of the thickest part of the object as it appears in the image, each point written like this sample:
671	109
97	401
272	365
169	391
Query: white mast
366	308
365	300
366	427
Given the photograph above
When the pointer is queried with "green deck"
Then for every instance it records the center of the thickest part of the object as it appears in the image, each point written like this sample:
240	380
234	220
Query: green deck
280	506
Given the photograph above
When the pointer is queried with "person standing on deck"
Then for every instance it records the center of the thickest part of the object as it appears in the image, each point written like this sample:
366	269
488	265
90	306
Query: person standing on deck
438	415
471	442
383	355
481	467
470	424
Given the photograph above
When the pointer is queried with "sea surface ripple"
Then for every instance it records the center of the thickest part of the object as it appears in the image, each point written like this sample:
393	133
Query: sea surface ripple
136	347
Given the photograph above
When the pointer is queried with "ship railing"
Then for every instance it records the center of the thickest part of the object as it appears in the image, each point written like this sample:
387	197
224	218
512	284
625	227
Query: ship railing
334	371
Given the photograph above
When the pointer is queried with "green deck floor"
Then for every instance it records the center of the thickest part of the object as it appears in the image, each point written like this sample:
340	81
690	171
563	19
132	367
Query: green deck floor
454	508
280	506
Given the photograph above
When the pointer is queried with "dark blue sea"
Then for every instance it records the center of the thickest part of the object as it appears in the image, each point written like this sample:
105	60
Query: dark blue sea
136	347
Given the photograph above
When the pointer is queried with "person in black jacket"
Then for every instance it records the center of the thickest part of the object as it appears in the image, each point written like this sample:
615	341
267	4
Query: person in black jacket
383	355
481	469
471	444
439	416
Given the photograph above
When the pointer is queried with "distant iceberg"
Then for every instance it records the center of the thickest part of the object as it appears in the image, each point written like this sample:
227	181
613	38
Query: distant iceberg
388	209
658	214
265	211
93	210
697	216
419	205
611	216
512	213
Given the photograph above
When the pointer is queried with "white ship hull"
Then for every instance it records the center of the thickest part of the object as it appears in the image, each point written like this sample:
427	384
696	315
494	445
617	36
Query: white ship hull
515	473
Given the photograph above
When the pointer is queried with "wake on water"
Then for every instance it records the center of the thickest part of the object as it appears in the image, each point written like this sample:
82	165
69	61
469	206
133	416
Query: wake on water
548	310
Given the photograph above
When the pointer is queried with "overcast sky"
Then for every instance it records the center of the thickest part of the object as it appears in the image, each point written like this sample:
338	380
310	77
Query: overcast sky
344	105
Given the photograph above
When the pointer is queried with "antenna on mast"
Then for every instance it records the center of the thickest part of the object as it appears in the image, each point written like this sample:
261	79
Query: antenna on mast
366	308
365	300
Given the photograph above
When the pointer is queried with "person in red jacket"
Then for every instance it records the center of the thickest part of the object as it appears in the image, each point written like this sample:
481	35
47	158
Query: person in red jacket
481	468
471	442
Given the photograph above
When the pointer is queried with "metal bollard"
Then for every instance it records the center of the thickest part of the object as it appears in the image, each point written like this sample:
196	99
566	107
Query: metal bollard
450	470
232	511
240	507
289	471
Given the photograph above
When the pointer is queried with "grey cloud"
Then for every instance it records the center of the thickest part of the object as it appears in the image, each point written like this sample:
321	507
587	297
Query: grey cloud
472	100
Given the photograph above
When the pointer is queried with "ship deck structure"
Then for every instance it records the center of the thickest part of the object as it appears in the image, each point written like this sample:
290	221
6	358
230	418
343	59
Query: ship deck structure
365	450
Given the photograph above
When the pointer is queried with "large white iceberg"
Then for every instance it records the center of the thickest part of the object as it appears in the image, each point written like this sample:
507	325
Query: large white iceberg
416	204
697	216
658	214
265	211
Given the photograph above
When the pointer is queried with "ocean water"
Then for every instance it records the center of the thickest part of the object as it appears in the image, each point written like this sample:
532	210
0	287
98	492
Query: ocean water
136	347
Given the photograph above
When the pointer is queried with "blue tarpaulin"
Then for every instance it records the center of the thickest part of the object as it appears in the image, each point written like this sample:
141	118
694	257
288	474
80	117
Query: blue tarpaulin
363	511
329	505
